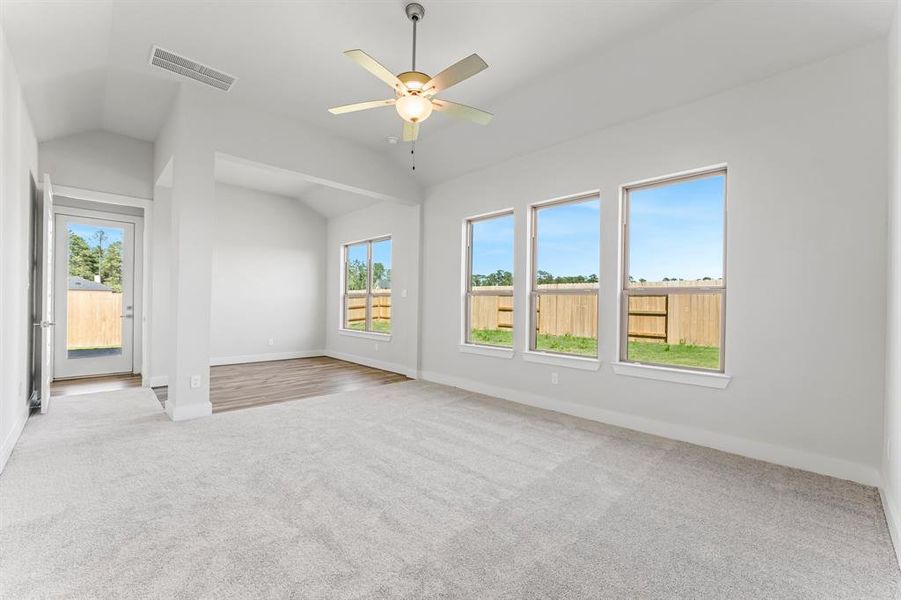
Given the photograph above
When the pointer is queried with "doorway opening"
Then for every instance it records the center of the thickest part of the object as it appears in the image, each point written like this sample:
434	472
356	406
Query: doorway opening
96	287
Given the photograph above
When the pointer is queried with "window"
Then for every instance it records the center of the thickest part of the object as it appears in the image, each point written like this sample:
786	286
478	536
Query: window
674	283
489	280
565	246
367	286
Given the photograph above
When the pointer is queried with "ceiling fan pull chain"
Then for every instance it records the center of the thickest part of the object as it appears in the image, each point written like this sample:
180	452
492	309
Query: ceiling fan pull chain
413	155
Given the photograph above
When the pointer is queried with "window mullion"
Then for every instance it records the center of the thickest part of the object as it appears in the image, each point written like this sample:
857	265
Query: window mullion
369	286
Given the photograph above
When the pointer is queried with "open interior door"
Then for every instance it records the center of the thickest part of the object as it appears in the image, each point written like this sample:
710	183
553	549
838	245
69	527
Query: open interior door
46	284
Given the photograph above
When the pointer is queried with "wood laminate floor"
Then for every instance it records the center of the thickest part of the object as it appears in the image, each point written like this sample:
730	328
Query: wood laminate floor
256	384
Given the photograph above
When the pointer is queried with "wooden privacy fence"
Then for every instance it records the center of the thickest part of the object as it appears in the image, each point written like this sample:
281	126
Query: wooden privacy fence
676	318
356	309
93	319
690	318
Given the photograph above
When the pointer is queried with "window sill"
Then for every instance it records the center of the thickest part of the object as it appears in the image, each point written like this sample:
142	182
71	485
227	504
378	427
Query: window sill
495	351
673	375
367	335
560	360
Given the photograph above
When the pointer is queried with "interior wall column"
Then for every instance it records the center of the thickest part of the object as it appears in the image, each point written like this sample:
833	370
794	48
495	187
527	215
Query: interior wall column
192	197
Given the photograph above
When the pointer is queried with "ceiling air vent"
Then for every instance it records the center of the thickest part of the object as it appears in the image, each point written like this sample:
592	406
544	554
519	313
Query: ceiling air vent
194	70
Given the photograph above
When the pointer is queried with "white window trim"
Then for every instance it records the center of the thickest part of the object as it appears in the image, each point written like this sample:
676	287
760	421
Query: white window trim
342	312
572	361
483	350
622	316
465	345
673	375
369	335
534	292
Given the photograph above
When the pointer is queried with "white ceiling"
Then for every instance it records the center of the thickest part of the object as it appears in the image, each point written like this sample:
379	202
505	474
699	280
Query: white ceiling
325	200
557	68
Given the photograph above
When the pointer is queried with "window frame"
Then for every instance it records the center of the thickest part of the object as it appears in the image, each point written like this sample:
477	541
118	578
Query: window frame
370	294
626	291
535	293
468	292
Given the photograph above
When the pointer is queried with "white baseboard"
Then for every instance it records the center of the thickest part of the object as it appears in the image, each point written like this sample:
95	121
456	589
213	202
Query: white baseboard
891	518
6	447
252	358
375	364
182	412
781	455
159	381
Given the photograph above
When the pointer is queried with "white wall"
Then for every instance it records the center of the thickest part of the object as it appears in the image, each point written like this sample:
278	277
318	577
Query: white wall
891	460
268	276
159	364
401	222
202	123
806	265
18	163
100	161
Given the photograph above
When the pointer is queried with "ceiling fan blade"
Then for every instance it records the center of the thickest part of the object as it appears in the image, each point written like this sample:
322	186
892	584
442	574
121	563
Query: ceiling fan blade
376	68
348	108
411	131
464	112
455	73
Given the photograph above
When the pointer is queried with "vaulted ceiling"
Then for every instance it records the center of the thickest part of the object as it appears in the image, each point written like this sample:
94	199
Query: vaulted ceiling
557	68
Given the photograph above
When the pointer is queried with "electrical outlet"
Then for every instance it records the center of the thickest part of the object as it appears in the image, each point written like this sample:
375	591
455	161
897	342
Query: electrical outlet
403	293
271	341
195	381
376	346
555	379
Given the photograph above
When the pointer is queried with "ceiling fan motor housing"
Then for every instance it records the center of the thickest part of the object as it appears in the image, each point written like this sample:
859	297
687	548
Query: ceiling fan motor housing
414	80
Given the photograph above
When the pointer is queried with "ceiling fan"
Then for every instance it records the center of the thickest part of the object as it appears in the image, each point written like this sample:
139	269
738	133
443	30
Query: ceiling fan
415	91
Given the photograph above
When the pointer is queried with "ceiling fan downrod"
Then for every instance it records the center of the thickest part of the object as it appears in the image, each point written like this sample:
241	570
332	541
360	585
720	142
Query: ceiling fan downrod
415	12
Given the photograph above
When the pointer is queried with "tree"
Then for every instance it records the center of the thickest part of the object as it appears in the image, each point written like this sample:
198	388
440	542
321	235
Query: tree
356	275
499	277
381	276
544	278
82	258
111	266
100	236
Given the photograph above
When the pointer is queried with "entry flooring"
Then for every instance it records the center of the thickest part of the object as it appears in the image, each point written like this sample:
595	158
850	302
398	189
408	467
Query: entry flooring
89	385
255	384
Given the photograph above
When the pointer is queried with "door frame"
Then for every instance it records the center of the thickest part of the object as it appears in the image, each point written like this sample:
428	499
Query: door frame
134	254
142	295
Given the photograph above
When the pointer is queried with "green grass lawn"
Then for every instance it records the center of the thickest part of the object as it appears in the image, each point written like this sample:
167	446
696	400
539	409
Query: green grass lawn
377	326
550	343
493	337
682	355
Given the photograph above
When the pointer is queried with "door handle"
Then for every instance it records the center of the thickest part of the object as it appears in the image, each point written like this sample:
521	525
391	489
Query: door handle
126	316
44	324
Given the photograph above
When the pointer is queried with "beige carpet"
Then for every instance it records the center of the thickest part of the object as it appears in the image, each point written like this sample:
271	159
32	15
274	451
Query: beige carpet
414	490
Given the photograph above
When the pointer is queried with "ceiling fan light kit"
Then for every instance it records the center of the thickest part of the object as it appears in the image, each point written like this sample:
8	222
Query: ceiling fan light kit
414	90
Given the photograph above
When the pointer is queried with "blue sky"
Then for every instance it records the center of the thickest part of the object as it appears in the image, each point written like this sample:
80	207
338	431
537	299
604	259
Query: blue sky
677	230
569	238
357	253
492	245
114	234
381	253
